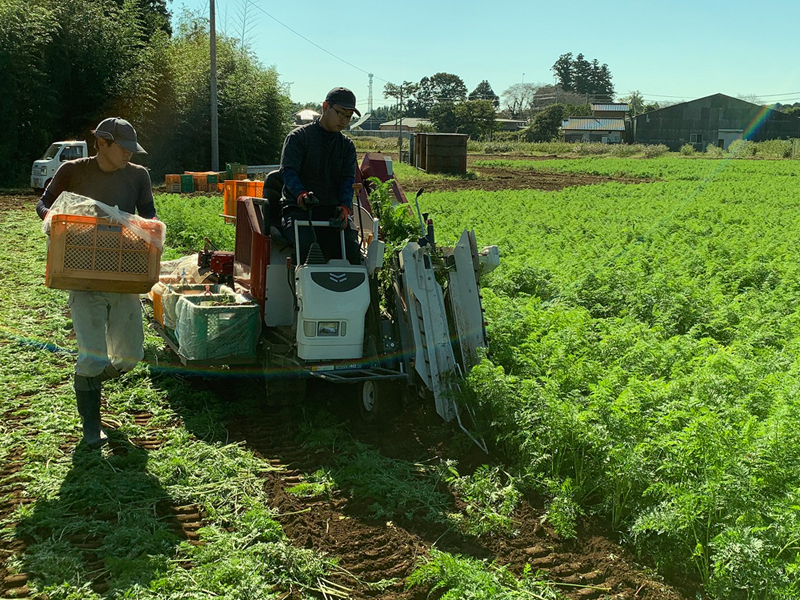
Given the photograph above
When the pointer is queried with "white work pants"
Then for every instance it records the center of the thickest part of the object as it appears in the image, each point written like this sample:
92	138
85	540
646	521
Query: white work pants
108	327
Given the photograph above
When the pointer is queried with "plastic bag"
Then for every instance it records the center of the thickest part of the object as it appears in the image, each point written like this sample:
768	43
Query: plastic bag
152	231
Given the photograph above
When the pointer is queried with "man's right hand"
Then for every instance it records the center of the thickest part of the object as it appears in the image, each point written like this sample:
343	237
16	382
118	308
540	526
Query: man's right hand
306	200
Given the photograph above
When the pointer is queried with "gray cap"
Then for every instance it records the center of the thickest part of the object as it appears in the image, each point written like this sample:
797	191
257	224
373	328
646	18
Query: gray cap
344	98
119	130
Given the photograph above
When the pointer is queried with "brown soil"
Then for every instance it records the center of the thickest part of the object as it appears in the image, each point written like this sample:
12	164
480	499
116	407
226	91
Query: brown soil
495	179
17	200
591	566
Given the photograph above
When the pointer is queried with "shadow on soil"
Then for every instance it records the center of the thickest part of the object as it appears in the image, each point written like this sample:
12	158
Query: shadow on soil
109	521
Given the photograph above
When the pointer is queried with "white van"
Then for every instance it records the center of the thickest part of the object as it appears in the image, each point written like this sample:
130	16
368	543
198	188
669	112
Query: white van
44	168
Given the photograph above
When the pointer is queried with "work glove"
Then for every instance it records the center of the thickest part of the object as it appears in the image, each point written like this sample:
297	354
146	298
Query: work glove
306	200
342	216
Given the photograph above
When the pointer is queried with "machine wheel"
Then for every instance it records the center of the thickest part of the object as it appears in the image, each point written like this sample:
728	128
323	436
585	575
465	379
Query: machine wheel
376	399
369	400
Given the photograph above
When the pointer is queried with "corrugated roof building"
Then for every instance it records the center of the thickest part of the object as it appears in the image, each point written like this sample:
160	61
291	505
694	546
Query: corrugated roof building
606	125
408	124
717	119
610	110
593	129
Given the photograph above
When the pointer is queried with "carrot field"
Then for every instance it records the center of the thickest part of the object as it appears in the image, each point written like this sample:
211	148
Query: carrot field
644	344
640	401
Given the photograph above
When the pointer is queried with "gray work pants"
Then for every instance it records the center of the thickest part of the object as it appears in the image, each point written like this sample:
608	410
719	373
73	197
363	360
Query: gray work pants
108	327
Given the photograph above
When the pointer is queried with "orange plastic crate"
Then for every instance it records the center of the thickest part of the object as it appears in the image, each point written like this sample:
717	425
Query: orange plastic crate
234	188
94	254
200	182
158	307
173	183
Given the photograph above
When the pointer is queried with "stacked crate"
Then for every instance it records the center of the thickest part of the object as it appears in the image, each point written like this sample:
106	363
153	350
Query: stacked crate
235	171
173	183
235	188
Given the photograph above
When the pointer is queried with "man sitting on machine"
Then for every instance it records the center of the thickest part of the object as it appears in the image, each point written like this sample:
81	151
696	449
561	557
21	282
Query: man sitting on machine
318	166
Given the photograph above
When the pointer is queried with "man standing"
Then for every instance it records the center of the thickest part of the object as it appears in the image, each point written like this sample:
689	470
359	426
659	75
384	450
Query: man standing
108	326
318	164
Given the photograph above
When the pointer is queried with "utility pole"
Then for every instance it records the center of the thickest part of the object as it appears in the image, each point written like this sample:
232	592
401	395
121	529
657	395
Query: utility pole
369	103
400	128
214	116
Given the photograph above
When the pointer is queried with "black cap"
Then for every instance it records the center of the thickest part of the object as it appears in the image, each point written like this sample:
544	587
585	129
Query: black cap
344	98
120	131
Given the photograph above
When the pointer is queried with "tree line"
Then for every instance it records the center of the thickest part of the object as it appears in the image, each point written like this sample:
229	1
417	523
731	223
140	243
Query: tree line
442	99
67	64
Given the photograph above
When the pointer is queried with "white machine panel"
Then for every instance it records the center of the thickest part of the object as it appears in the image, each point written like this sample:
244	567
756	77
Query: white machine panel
332	300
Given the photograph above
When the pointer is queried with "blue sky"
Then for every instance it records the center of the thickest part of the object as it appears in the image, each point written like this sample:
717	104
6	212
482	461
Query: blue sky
674	51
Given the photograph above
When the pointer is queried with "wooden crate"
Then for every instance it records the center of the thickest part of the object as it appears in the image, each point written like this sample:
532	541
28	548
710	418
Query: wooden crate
94	254
234	188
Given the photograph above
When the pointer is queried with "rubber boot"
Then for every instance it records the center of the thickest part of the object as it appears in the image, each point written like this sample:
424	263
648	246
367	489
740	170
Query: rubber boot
89	410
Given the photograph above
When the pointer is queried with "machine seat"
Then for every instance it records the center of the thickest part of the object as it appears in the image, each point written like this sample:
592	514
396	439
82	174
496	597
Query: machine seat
273	188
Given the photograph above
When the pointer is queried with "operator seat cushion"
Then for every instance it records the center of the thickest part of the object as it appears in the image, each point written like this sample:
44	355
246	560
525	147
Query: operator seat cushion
273	189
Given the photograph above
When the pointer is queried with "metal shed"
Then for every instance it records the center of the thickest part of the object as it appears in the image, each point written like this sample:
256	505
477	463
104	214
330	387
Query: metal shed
716	119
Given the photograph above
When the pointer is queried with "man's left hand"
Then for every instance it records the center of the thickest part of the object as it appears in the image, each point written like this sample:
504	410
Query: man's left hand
342	216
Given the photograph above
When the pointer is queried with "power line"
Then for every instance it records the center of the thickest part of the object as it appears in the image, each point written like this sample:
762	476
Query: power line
300	35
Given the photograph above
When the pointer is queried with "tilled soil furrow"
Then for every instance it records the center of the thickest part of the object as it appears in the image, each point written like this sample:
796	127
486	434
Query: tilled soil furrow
367	551
371	552
12	496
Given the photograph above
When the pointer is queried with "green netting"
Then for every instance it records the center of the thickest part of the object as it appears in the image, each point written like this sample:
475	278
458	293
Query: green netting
171	293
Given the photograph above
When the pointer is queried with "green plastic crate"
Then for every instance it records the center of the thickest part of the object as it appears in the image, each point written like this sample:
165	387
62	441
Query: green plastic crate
187	183
223	332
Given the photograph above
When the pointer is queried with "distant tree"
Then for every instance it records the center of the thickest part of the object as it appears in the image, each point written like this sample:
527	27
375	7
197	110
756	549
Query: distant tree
69	63
254	112
441	87
792	110
385	113
484	91
475	118
519	98
635	102
752	98
443	116
564	70
583	77
545	125
402	93
577	110
553	94
315	106
155	16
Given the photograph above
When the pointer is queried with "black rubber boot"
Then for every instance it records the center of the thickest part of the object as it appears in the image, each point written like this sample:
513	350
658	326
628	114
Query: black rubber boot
89	410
